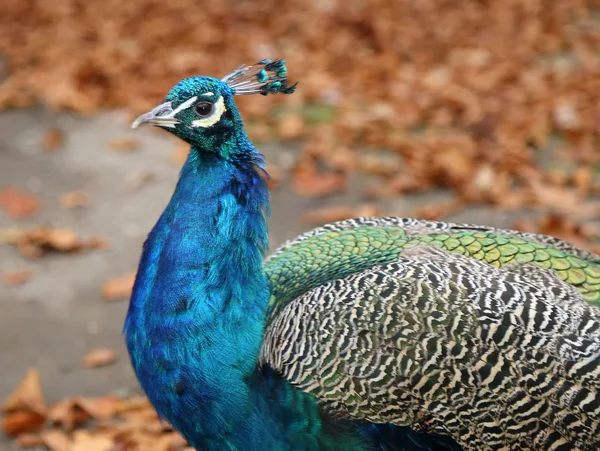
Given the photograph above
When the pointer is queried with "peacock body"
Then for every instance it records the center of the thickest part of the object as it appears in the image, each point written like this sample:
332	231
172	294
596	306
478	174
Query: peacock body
372	333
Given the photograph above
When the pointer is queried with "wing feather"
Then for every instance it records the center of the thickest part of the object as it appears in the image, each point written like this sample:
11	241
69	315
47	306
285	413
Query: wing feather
444	343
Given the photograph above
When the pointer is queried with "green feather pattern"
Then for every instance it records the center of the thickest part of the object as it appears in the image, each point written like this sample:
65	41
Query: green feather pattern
490	336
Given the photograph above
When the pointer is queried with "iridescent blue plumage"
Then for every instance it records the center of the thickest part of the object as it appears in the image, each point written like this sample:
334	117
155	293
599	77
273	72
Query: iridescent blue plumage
197	315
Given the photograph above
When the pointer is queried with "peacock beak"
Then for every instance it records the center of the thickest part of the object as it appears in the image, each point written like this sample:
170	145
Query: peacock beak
161	116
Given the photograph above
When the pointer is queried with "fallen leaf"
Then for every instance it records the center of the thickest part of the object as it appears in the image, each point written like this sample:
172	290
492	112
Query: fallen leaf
74	199
99	357
23	421
84	441
325	215
35	242
310	183
119	288
437	211
583	179
126	144
67	414
27	395
17	203
133	404
18	277
290	127
29	440
56	440
100	408
53	139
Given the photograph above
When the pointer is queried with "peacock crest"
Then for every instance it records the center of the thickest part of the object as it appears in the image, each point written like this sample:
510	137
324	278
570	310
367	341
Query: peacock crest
265	77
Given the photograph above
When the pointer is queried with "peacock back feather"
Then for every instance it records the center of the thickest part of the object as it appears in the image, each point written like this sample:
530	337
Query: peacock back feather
473	332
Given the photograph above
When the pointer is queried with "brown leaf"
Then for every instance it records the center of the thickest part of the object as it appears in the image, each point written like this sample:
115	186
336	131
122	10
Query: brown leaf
99	357
118	288
18	277
27	395
17	203
67	414
22	421
56	440
35	242
310	183
325	215
133	404
84	441
177	441
583	178
126	144
437	211
53	139
74	199
29	440
101	408
291	126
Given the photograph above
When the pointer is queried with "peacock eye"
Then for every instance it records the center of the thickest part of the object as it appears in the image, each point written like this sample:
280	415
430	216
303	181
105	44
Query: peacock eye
204	109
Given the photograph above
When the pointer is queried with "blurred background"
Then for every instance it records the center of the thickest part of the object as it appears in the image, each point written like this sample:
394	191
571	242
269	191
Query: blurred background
483	111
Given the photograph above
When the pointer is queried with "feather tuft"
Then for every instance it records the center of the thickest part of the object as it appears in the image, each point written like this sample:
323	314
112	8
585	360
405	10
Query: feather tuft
265	77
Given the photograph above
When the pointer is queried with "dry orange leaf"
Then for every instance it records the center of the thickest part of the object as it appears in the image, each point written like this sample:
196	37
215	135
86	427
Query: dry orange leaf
583	179
74	199
29	440
135	403
67	414
17	203
84	441
101	408
22	421
27	395
291	126
127	144
35	242
318	184
53	139
118	288
99	357
327	214
18	277
56	440
436	211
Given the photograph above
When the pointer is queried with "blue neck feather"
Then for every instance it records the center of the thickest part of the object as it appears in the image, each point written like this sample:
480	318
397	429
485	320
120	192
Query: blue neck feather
197	313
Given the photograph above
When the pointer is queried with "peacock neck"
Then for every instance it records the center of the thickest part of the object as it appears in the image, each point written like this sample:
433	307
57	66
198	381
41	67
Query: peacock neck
195	321
197	314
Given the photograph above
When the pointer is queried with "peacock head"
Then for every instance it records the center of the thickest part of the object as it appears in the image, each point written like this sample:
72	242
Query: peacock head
201	110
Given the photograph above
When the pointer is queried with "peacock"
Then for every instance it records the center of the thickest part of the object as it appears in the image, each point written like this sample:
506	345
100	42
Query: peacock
372	333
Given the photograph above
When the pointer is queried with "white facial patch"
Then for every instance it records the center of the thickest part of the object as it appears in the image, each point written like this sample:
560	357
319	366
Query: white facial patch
185	105
214	117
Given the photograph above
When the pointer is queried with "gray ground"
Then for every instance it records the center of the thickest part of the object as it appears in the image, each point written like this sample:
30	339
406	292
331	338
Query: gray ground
53	320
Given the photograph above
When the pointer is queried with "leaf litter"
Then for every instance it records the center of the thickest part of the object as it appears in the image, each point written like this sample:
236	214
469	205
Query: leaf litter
104	423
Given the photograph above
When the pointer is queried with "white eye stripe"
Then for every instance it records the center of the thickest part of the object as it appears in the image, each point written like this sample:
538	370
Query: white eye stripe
214	117
185	105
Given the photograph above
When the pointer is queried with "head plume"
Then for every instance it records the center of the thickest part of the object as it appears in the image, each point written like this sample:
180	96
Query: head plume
265	77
